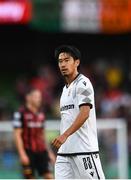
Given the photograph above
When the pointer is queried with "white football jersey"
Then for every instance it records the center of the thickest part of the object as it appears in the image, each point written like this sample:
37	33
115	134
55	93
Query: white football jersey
84	140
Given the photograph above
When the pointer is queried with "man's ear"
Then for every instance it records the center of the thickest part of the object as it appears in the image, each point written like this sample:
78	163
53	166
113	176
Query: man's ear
77	62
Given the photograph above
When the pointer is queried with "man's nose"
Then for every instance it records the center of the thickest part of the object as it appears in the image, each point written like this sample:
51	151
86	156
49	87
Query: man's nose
63	64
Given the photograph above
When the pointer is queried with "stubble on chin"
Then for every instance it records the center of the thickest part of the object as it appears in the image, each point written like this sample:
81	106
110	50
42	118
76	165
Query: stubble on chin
64	75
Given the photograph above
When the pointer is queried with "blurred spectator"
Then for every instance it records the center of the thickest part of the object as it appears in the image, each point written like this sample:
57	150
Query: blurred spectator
46	81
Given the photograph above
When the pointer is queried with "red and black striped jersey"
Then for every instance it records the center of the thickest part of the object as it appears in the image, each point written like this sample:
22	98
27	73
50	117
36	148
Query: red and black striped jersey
33	127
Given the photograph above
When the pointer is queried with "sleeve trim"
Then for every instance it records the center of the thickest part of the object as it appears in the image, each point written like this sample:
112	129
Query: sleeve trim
86	104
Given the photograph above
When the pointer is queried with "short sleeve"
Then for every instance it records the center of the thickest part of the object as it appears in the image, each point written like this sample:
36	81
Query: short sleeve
84	93
17	120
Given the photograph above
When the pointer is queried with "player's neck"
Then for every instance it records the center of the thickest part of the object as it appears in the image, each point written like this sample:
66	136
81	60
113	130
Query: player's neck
71	78
32	108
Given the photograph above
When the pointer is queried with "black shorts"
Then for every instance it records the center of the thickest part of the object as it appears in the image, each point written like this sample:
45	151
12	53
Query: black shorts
39	162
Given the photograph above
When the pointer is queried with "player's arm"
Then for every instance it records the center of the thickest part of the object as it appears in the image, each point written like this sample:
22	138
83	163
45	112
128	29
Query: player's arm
49	150
79	121
18	130
20	146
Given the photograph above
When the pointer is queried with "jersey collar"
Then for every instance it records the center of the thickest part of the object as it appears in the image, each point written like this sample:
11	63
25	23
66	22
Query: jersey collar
73	80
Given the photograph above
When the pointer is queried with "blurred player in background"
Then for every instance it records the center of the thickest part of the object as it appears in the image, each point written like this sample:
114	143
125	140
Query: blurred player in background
30	138
78	154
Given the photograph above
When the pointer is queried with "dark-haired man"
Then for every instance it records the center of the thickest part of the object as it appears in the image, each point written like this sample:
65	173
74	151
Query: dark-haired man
30	139
78	154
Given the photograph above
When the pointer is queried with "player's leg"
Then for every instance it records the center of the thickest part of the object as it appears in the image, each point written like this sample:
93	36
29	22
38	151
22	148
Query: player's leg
97	163
85	167
42	165
63	168
28	170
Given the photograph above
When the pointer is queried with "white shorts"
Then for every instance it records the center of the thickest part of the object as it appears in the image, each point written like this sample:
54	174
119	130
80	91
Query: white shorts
79	167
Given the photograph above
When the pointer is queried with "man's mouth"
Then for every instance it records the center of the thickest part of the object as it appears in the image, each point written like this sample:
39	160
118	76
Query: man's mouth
63	70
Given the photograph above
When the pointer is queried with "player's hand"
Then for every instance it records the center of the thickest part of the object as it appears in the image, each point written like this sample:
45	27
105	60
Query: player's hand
24	159
59	141
52	157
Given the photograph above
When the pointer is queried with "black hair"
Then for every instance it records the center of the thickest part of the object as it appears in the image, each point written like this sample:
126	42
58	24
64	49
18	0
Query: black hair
30	90
73	51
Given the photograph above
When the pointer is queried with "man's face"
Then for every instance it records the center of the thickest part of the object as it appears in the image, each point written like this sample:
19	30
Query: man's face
67	64
35	98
